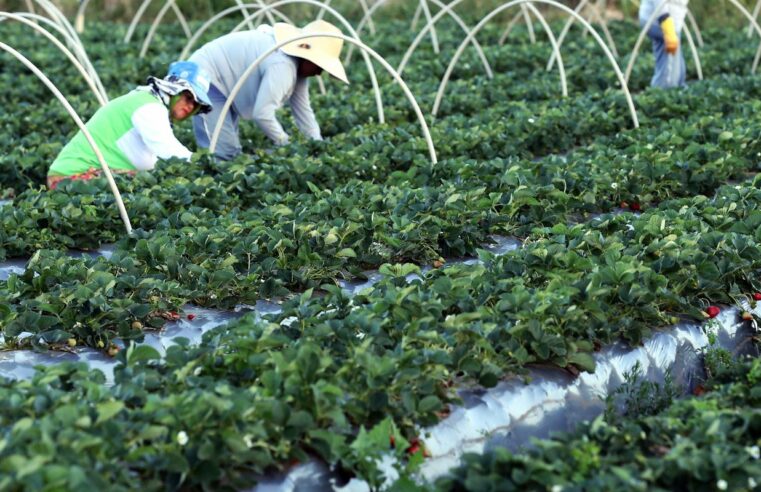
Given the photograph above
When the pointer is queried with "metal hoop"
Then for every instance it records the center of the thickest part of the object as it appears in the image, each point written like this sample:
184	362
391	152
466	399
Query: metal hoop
445	9
101	100
500	9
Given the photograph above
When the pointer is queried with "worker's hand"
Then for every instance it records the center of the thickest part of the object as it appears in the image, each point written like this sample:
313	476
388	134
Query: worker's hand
669	35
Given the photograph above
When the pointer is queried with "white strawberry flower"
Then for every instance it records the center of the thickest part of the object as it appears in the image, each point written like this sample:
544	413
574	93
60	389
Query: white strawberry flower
754	452
721	484
182	438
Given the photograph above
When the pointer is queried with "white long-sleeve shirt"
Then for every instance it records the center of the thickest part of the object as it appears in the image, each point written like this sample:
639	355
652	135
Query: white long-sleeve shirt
273	84
151	138
677	10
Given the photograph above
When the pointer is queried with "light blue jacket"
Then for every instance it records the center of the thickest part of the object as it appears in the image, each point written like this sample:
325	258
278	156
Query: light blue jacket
273	84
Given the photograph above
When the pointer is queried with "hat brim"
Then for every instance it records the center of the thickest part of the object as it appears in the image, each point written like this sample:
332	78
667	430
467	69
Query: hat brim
329	64
202	98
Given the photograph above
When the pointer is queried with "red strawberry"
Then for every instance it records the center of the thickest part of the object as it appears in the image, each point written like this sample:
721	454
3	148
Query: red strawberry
757	296
712	311
634	206
624	204
413	449
191	317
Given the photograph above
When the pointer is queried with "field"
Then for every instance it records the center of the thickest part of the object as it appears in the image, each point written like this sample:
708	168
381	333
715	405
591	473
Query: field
235	339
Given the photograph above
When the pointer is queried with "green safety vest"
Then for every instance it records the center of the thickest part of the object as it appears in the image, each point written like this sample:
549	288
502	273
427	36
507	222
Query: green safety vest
107	126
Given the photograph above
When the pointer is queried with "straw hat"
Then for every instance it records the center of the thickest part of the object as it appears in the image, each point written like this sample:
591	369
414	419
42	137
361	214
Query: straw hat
322	51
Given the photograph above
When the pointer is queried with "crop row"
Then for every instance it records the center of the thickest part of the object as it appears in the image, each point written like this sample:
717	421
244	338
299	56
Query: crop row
709	442
520	92
261	394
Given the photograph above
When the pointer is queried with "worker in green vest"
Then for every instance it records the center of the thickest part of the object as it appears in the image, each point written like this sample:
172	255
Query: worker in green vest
135	130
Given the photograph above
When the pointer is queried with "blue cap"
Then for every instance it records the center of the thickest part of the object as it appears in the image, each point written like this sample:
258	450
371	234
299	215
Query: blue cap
195	78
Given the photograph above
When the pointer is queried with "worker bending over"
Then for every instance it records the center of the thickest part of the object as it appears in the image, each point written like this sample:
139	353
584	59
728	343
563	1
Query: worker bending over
135	130
281	78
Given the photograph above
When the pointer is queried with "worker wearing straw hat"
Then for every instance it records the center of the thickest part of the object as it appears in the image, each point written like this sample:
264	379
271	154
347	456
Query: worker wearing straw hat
670	68
281	78
135	130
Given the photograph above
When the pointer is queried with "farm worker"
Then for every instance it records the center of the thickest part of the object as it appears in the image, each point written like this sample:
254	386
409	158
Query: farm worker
280	78
135	130
670	69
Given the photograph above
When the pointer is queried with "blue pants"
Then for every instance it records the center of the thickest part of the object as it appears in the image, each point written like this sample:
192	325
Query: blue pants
670	70
228	145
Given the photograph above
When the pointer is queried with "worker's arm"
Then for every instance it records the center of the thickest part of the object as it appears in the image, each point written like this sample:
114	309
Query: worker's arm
302	110
670	37
275	86
152	123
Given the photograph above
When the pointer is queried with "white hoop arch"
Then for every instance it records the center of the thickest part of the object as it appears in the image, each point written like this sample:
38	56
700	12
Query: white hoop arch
359	44
756	11
651	20
695	27
246	21
455	17
555	46
260	3
529	24
445	9
694	51
29	6
448	8
74	44
571	20
347	25
72	38
434	36
416	16
57	16
155	25
141	10
513	3
93	87
221	14
79	20
514	22
362	3
528	8
106	171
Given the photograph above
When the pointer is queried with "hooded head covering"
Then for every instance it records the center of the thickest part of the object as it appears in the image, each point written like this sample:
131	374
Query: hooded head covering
185	76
